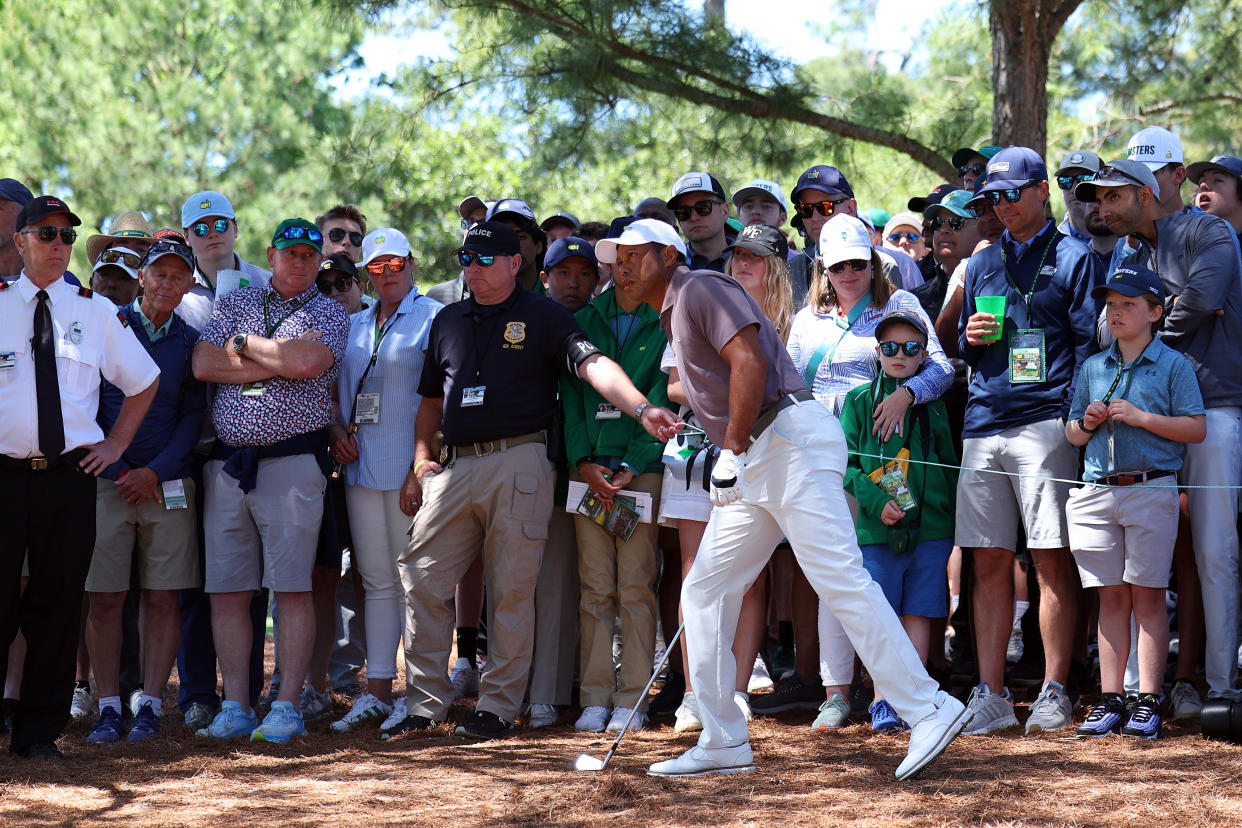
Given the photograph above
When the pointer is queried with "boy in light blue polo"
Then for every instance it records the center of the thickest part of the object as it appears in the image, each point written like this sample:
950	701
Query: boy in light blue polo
1135	406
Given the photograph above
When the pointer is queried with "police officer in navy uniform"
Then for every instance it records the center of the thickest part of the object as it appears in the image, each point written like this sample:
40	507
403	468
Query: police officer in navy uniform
55	342
489	383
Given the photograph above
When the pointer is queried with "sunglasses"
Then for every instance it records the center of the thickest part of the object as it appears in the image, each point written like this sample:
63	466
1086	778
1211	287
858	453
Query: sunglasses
1013	196
160	248
1112	173
338	233
954	222
465	257
378	268
131	260
977	169
203	229
1069	182
340	284
911	348
857	265
898	238
703	208
307	233
824	208
48	234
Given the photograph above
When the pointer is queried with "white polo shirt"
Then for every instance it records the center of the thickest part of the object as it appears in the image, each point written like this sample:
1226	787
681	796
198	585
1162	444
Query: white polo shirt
90	340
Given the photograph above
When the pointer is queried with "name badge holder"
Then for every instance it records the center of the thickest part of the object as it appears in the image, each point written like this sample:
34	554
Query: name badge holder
607	412
472	396
1028	357
174	494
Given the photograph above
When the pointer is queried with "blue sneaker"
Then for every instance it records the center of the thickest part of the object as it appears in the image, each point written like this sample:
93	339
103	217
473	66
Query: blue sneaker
232	720
146	724
1144	719
884	717
107	729
282	723
1106	717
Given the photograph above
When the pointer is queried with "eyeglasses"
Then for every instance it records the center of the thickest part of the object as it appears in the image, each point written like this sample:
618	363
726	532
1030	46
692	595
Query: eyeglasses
977	169
203	229
1069	182
824	208
131	260
465	257
954	222
898	238
48	234
703	208
1111	173
394	264
1013	195
857	265
338	233
911	348
307	233
340	284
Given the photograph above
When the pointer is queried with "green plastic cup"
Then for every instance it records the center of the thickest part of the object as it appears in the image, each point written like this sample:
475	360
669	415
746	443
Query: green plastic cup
994	305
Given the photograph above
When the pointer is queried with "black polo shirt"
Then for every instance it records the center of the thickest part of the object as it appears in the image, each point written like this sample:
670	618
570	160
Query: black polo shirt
514	351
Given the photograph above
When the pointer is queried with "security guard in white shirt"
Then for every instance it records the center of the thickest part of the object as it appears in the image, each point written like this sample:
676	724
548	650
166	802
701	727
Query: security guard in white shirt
55	342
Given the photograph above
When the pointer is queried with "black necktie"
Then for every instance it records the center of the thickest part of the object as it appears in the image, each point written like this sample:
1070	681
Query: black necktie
47	390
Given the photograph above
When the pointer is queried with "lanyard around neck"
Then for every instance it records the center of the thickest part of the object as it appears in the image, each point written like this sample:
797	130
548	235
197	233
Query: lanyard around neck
1043	257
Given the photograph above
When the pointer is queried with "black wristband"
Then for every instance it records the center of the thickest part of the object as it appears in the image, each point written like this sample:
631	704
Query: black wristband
1082	423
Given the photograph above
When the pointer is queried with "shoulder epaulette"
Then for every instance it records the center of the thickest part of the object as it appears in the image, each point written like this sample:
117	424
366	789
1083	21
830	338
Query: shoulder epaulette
85	292
121	316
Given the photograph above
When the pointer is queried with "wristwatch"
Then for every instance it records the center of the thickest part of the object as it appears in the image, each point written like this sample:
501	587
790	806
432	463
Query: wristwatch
239	342
638	412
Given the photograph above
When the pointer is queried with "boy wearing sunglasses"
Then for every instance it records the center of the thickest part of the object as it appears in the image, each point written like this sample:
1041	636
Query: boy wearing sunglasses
905	513
701	207
343	228
209	225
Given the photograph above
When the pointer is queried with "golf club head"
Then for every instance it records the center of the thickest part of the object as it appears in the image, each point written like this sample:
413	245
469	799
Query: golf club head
585	762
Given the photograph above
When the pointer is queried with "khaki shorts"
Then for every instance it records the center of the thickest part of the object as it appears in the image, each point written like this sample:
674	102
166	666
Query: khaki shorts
267	536
1123	534
991	506
166	541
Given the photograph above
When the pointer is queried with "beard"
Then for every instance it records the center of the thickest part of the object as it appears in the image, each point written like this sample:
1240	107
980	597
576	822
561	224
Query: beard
1096	226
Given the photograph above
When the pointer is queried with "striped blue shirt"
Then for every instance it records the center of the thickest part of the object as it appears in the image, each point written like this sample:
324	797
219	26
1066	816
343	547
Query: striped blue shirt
854	362
386	448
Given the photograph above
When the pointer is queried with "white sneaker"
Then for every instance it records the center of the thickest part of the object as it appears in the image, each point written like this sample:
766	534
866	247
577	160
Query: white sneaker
621	715
593	719
700	761
688	720
742	700
366	709
465	678
1051	711
1185	701
81	708
397	714
931	734
135	701
760	679
542	715
989	712
1013	651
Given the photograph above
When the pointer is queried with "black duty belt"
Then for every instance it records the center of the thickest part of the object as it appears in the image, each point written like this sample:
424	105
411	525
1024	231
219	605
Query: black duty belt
769	414
1133	478
486	447
66	460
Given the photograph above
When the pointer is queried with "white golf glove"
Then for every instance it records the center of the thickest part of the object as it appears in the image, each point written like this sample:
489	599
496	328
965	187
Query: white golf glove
727	479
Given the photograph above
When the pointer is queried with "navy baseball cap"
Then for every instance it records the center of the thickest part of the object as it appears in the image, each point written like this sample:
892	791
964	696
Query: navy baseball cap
618	225
1012	167
906	317
918	204
567	248
567	219
517	207
1228	164
42	207
168	247
491	238
13	190
822	177
696	182
1131	280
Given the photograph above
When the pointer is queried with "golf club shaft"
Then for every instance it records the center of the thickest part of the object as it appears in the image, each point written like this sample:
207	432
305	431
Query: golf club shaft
668	648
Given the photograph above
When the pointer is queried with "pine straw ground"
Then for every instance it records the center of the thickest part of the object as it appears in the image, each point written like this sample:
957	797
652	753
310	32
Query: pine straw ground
843	778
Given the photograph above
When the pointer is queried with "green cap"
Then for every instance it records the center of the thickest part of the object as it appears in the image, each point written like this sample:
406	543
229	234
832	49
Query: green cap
955	202
297	231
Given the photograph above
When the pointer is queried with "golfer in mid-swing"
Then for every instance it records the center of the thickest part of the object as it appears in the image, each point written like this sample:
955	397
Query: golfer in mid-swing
779	475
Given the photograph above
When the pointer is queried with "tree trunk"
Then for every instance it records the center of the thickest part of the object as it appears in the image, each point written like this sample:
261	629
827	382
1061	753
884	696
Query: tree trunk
714	12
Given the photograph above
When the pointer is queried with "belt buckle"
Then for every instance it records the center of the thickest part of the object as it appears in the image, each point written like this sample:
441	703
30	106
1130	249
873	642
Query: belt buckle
478	448
1129	479
38	463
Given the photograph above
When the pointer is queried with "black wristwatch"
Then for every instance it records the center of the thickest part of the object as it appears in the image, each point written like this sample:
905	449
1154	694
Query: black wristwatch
239	342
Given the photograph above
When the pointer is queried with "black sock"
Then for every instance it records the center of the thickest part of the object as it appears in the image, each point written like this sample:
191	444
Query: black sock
467	642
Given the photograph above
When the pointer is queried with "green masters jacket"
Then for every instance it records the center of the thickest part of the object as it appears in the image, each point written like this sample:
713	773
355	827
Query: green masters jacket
586	434
936	485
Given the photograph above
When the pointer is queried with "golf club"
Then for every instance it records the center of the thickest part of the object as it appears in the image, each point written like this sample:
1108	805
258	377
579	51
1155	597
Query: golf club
585	762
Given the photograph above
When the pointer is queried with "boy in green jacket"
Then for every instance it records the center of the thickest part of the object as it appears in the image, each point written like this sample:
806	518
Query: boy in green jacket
611	452
905	509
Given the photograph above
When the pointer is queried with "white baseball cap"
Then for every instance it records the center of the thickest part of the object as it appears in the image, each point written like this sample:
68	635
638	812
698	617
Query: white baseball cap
384	241
1155	146
643	231
843	238
761	185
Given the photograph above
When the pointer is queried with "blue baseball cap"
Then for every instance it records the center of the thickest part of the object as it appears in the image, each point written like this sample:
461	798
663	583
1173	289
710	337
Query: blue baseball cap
822	177
13	190
1132	280
1012	167
567	248
515	206
203	204
1228	164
